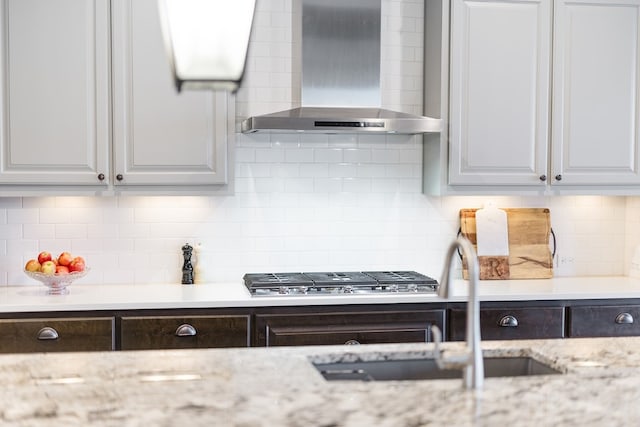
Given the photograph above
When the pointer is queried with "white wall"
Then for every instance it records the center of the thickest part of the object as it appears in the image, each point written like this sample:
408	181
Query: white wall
312	202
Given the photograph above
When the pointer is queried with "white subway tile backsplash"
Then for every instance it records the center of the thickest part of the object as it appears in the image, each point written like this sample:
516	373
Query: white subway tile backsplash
343	170
70	231
270	155
385	156
21	216
357	185
399	171
371	171
11	203
357	155
314	170
327	185
29	231
245	155
328	155
298	185
37	202
343	141
299	155
315	140
28	247
54	216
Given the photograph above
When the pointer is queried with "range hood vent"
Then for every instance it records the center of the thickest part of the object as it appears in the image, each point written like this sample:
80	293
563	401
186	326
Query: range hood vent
341	76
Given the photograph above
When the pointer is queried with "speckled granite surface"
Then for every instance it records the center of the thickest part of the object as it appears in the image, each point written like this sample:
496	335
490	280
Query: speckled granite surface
279	387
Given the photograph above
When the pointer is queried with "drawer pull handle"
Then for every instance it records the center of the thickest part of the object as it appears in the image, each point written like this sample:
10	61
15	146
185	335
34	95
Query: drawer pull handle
186	330
508	322
352	342
624	319
47	333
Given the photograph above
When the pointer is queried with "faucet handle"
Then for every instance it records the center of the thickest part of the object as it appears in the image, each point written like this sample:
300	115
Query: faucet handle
436	337
437	340
456	361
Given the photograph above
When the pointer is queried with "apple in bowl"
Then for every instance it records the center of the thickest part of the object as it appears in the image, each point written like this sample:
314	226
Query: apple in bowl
44	256
48	267
77	264
65	258
33	265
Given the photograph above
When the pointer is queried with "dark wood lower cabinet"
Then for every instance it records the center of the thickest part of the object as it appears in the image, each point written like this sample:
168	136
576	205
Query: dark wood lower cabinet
311	325
604	321
346	328
169	332
511	323
56	334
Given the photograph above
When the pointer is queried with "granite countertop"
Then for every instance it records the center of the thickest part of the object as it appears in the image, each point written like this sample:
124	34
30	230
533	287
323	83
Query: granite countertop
279	387
83	295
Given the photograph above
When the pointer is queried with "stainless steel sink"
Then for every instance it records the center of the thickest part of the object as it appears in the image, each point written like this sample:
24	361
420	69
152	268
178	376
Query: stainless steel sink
427	369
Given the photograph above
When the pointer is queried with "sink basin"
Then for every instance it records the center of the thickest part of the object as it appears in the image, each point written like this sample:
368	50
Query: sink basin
427	369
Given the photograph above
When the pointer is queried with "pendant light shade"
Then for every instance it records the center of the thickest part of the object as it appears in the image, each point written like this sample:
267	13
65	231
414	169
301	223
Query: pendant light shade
207	41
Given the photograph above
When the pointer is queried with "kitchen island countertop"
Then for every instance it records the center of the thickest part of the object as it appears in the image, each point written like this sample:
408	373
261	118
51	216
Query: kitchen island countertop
279	387
87	296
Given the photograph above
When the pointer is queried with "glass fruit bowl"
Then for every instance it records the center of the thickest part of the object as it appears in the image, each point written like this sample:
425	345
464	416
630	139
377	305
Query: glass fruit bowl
57	283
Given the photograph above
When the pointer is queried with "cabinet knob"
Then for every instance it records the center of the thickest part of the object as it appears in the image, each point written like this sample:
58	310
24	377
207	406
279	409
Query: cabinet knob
508	322
101	177
624	319
558	177
47	333
119	177
543	178
352	342
186	330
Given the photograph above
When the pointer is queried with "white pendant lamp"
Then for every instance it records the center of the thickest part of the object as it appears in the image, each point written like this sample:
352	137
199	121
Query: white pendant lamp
207	41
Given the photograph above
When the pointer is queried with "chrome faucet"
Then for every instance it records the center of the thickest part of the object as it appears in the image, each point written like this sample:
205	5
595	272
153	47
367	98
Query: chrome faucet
470	361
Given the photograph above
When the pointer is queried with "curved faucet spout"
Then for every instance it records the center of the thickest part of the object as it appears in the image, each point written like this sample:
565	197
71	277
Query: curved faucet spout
472	361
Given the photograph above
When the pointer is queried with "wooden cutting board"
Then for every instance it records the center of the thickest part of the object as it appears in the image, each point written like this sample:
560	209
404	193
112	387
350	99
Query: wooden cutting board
492	243
529	253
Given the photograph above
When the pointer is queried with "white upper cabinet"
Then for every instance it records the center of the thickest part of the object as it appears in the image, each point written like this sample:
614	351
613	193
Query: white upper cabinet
88	102
544	96
596	92
54	96
161	137
499	91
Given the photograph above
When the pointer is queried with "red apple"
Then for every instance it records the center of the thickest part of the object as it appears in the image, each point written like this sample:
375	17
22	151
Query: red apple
32	265
44	256
64	258
48	267
62	269
77	264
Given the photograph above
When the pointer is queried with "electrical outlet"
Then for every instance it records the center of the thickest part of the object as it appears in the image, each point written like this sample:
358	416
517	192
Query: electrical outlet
565	261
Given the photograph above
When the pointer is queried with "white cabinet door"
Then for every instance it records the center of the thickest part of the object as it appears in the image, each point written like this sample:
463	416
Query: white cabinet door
54	96
596	92
499	92
160	137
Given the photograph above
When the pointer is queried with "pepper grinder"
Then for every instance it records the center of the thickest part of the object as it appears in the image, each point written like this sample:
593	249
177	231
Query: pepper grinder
187	268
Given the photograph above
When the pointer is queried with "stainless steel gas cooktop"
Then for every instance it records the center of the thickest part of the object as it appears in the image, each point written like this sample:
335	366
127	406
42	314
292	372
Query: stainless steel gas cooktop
339	283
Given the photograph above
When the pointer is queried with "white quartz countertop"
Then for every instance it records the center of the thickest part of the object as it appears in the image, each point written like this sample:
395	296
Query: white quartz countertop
87	296
270	387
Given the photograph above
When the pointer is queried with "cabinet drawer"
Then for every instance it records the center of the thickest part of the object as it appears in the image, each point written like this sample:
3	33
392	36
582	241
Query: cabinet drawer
141	333
346	328
48	335
603	321
513	323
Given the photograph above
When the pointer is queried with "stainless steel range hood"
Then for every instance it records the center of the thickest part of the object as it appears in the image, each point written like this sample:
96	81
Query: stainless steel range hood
341	76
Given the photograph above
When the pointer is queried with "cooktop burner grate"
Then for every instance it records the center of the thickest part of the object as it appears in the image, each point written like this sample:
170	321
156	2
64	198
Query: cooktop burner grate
336	283
394	277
